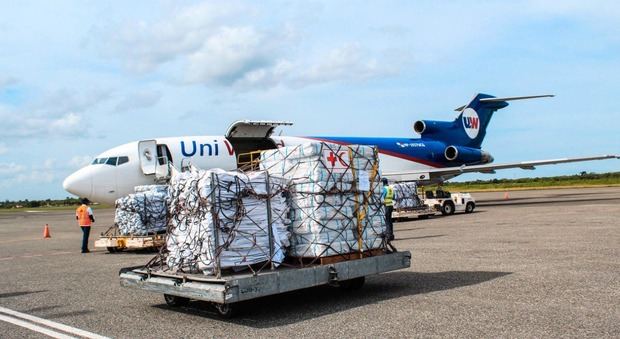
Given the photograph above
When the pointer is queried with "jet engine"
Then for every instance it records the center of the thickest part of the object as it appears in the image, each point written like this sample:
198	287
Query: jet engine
431	126
467	155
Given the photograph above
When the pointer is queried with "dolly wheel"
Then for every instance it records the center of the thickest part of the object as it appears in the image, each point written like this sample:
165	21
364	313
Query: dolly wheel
352	284
174	301
225	311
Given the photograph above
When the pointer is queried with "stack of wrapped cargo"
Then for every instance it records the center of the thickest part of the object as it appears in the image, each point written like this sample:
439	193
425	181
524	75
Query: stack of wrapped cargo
406	195
144	212
225	220
335	197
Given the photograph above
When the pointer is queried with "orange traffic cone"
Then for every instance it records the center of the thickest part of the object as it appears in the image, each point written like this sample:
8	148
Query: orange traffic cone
46	231
506	197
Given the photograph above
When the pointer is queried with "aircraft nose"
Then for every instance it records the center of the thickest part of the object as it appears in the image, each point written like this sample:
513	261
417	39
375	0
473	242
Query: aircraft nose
79	183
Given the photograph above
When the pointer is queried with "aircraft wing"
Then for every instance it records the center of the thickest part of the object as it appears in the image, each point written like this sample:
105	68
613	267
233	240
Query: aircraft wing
445	173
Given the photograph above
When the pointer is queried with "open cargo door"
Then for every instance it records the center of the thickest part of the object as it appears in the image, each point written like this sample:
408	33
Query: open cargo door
247	137
259	129
147	150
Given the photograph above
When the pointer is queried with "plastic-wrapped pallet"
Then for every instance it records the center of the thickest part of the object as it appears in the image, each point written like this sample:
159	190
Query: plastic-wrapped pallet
233	207
406	195
144	212
335	197
156	188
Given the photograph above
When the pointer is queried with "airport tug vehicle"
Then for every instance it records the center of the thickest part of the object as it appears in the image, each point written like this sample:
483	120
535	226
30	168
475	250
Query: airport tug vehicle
113	241
448	203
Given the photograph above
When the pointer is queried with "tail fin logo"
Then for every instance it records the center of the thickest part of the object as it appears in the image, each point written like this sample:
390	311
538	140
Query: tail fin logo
471	123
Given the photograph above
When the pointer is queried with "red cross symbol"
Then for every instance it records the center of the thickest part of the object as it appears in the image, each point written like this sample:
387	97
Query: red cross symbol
332	158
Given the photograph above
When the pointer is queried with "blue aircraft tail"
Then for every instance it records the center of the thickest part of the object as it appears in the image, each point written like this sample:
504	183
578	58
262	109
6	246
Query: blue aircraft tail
475	118
469	127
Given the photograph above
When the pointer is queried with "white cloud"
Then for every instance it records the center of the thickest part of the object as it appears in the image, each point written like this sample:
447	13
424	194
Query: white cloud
139	100
228	55
10	169
63	101
3	149
12	174
49	163
80	161
16	125
345	63
145	45
56	113
212	44
69	123
6	81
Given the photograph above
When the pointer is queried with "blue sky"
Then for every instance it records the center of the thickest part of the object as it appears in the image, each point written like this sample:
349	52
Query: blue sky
77	78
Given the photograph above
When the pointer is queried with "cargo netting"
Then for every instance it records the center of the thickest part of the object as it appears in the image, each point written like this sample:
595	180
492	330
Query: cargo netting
335	198
144	212
305	202
225	220
406	196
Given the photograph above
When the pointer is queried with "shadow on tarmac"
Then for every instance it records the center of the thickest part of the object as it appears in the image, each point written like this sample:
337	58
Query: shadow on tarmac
41	309
421	237
136	251
409	229
297	306
20	293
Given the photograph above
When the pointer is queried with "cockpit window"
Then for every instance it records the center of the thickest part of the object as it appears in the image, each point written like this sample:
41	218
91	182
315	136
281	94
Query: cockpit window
122	160
112	161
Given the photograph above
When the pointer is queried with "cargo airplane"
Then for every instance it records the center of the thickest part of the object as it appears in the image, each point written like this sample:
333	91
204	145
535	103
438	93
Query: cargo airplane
444	150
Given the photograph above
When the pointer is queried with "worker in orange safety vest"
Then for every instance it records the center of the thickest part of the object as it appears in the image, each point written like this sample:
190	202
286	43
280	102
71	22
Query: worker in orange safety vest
84	216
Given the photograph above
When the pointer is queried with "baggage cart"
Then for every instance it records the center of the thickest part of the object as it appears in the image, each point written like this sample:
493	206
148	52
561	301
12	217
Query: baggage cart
409	213
113	241
228	289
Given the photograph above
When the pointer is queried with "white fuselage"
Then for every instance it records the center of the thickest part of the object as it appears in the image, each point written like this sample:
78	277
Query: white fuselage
115	172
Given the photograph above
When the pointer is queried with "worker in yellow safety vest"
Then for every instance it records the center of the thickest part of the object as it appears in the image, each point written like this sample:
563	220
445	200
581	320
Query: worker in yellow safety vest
84	216
388	200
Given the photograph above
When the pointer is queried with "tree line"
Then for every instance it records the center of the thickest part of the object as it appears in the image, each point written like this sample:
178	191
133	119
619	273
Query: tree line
582	176
68	201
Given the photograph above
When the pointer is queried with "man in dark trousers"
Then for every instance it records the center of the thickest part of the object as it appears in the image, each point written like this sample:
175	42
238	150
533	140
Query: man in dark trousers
84	216
387	196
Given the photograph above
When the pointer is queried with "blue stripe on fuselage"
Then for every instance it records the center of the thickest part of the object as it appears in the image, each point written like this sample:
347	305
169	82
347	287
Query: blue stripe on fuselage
428	152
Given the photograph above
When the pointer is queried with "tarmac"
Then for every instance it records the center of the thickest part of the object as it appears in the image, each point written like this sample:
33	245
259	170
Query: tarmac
540	263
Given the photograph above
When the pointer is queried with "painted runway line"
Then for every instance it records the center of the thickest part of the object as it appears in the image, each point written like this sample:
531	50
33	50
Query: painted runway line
27	320
34	327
